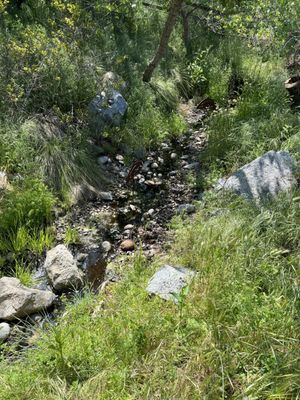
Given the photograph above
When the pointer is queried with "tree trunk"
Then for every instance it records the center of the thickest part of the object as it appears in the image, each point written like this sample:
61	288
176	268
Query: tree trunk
175	8
186	32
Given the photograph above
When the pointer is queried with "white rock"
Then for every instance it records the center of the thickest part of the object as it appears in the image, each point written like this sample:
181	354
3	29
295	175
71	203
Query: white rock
169	280
4	331
106	246
266	176
62	270
128	227
17	300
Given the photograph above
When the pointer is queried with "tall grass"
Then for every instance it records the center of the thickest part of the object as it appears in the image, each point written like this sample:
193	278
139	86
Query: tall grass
235	334
260	120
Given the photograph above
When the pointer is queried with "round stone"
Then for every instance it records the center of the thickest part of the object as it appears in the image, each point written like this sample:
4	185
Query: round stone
4	331
106	246
128	227
127	245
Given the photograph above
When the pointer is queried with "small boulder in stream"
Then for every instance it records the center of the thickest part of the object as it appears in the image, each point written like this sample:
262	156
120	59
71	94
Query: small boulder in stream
18	301
169	281
62	269
266	176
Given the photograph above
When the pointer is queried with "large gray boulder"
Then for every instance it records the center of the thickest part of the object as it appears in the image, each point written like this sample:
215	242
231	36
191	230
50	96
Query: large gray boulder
62	269
17	300
168	281
266	176
107	109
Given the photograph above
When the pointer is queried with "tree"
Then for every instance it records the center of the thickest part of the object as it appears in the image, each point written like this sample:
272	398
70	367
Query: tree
174	11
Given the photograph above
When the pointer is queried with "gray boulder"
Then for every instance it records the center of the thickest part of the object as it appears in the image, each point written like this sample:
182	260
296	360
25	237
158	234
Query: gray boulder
107	109
266	176
169	280
4	331
62	270
17	301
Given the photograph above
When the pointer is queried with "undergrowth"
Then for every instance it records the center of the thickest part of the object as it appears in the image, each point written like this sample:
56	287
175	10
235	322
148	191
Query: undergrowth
234	334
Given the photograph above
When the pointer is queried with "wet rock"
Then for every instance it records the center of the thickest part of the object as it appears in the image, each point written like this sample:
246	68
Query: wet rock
168	281
18	301
173	156
154	165
186	209
266	176
62	270
4	332
127	245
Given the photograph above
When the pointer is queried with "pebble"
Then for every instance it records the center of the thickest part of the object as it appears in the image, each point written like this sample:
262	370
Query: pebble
173	156
128	227
120	158
4	331
150	212
123	174
106	246
146	165
127	245
154	165
194	165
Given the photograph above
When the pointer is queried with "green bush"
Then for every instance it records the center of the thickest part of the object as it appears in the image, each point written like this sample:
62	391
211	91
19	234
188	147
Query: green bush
260	120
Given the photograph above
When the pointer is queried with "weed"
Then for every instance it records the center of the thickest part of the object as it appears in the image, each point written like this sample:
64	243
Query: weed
71	236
